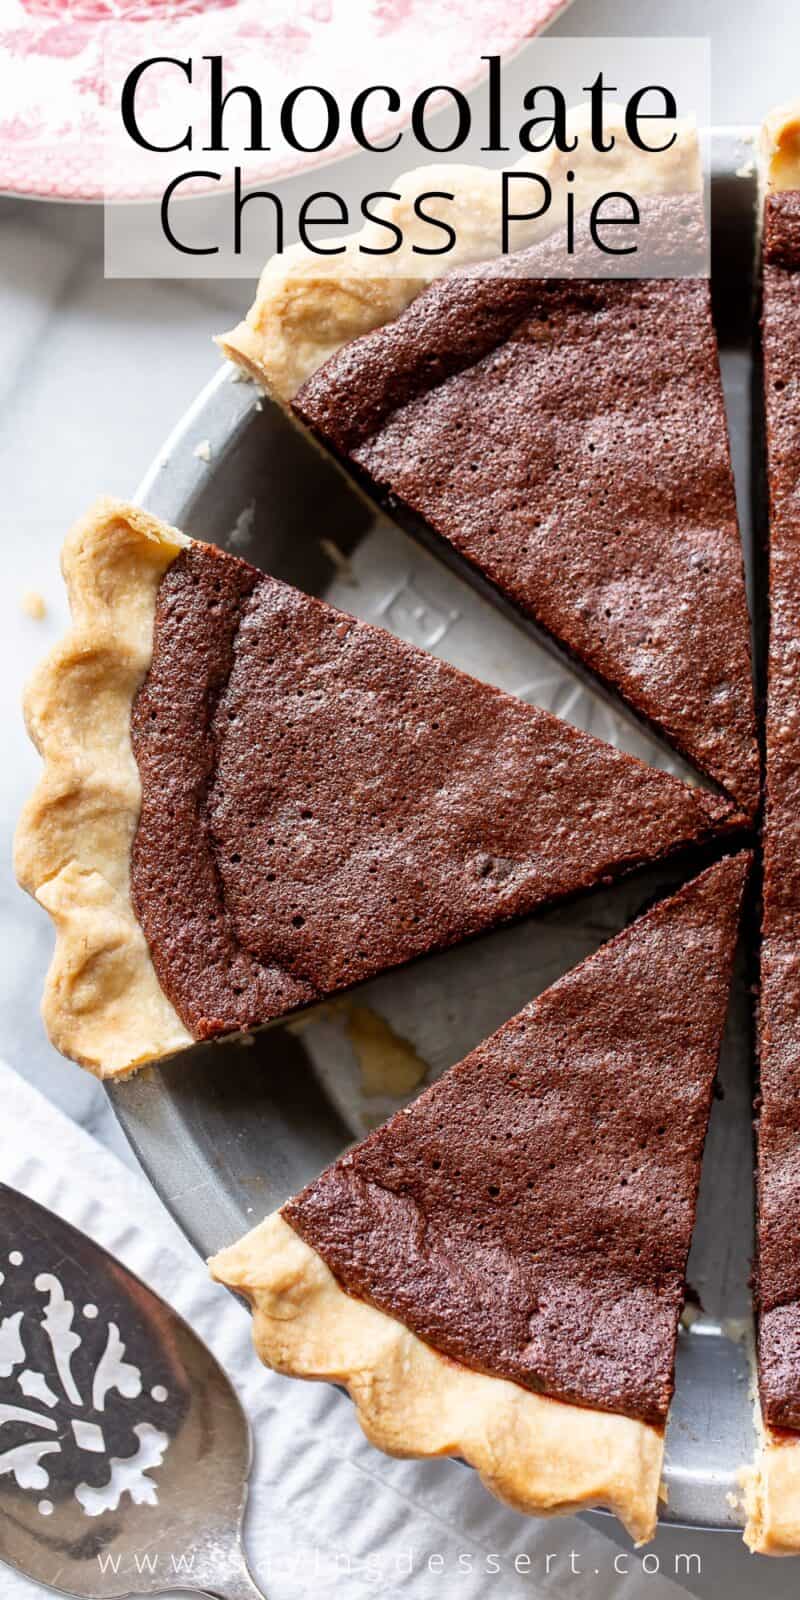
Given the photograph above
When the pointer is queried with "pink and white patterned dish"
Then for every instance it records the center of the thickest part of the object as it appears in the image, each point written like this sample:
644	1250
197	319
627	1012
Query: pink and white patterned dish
55	106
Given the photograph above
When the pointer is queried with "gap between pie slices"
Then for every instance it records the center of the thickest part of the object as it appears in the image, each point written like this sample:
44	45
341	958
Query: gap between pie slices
498	1271
567	440
252	801
772	1484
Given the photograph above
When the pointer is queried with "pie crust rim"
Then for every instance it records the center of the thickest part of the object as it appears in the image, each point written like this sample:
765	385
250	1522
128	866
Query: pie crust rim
771	1486
103	1005
542	1456
307	305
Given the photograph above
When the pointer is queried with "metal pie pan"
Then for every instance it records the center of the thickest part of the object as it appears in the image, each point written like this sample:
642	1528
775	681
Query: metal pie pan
226	1132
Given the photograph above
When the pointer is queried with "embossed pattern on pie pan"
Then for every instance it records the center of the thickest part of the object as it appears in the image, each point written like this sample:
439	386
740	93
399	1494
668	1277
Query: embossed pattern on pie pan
228	1131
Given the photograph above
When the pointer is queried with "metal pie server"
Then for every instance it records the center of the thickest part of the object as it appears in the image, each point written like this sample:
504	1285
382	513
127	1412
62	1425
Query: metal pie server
124	1451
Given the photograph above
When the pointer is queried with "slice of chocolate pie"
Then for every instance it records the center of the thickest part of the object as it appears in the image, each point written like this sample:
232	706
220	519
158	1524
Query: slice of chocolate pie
774	1487
252	801
498	1271
568	440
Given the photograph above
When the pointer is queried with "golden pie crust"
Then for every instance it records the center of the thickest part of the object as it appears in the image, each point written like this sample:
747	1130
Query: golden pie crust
103	1004
772	1495
541	1456
779	149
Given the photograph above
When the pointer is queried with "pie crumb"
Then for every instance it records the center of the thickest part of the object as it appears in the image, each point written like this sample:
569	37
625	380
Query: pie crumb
33	604
389	1064
202	451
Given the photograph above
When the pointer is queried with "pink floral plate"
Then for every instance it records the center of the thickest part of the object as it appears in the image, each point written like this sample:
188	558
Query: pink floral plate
57	58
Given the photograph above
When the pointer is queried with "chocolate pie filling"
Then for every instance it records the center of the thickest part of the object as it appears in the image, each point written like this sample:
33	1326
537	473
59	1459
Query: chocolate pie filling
569	440
778	1264
530	1214
321	801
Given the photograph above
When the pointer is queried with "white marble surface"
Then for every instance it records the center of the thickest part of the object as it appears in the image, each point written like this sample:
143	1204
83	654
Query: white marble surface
92	376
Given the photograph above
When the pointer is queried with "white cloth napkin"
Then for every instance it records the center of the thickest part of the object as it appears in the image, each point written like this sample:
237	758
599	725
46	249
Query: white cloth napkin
327	1512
